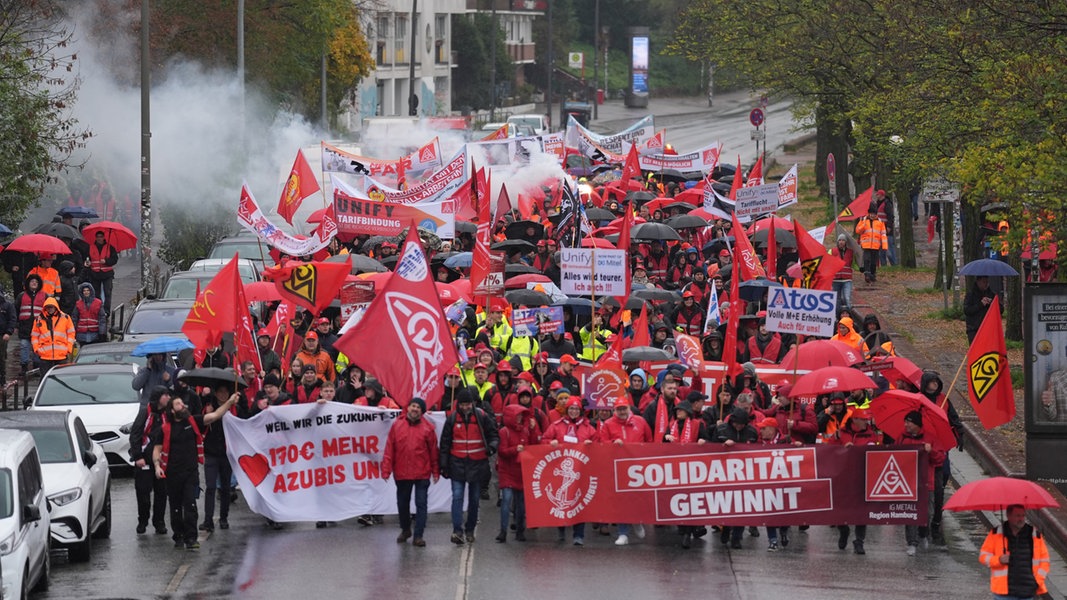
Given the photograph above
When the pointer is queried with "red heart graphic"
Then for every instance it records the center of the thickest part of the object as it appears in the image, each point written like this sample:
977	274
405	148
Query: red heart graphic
255	466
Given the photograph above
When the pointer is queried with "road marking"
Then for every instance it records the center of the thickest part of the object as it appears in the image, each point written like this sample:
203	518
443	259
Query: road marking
176	581
466	567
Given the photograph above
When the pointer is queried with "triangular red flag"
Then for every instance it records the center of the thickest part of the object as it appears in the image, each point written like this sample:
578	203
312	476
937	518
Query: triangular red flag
404	339
300	184
624	231
199	352
481	261
988	377
641	335
746	261
772	253
818	267
215	310
244	338
755	176
312	285
632	167
857	209
503	204
733	319
612	358
739	180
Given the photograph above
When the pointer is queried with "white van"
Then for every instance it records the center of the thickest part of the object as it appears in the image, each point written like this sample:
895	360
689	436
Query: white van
539	123
24	518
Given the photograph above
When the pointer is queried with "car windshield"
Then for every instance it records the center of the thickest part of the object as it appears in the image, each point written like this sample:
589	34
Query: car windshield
157	321
246	270
86	356
63	389
185	288
251	250
532	122
6	494
53	445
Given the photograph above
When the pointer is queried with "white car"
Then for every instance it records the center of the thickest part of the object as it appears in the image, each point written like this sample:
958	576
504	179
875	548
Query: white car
77	481
538	123
24	520
102	395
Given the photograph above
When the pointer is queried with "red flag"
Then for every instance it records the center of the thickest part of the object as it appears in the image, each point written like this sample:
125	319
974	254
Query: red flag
988	378
328	227
772	253
817	266
733	319
931	228
662	420
612	359
404	339
755	176
215	310
641	335
746	260
244	338
739	180
500	134
690	353
401	175
199	352
300	184
481	261
632	167
312	285
503	204
624	231
857	209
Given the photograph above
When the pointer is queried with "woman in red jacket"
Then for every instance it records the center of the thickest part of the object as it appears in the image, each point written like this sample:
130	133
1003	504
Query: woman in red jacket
518	432
573	428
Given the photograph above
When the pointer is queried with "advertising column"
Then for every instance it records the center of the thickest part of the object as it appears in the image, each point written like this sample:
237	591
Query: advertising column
1045	363
637	93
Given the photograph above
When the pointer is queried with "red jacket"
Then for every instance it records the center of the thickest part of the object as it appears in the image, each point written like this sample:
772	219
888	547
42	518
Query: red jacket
581	430
867	437
417	444
936	456
512	435
633	430
805	427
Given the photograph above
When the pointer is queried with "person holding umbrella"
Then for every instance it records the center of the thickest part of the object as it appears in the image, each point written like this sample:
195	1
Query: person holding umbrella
50	281
102	260
915	435
976	305
1017	557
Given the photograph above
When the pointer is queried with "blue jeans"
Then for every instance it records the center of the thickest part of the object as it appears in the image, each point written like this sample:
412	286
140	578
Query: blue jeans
474	494
844	292
577	531
507	496
772	533
403	504
888	257
26	353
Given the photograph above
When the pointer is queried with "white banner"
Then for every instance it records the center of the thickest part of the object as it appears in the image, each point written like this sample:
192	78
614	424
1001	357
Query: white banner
705	159
251	217
335	160
788	188
801	311
756	200
319	462
579	267
552	143
439	186
619	143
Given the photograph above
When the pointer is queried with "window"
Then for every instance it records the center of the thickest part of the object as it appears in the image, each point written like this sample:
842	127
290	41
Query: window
103	388
54	444
84	443
400	39
29	480
7	500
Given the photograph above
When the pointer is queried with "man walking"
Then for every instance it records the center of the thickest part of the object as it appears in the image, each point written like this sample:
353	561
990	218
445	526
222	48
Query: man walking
1017	558
468	439
411	457
52	336
873	239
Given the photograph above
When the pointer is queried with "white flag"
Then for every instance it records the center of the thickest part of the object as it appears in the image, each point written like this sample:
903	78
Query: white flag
713	312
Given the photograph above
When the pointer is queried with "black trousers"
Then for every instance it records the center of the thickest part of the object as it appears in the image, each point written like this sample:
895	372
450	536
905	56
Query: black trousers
217	475
182	490
151	497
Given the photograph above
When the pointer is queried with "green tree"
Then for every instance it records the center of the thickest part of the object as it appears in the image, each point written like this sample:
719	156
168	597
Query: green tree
189	235
471	37
37	86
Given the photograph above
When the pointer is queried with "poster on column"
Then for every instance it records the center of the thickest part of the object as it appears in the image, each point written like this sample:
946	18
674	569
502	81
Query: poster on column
802	312
672	484
319	462
593	271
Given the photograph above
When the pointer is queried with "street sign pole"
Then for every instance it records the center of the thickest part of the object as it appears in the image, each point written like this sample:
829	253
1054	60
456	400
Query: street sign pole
831	178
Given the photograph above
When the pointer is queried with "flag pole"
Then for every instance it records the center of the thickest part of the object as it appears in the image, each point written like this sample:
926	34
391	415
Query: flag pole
944	402
592	305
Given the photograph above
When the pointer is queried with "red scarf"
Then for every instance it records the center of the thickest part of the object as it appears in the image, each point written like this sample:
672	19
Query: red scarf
689	432
166	442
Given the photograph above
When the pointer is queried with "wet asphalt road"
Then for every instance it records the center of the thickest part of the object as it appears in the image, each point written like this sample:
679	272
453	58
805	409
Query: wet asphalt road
350	561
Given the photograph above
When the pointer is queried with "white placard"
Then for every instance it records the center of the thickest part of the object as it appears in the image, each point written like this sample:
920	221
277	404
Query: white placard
756	200
579	266
802	312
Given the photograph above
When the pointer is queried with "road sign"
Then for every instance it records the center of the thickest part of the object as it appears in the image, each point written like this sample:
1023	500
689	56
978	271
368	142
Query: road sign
575	60
831	170
757	134
763	101
756	117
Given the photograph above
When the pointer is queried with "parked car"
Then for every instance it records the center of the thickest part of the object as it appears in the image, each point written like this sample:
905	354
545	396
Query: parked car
248	269
109	352
155	318
77	481
102	395
24	518
538	123
248	247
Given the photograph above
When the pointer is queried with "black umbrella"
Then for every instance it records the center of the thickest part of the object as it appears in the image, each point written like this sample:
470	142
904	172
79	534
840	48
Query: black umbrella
578	305
717	244
211	377
78	212
527	298
641	353
360	263
782	237
683	206
654	231
686	222
389	262
599	214
723	187
657	294
632	303
374	241
513	246
525	230
671	175
640	196
466	227
519	269
753	290
59	230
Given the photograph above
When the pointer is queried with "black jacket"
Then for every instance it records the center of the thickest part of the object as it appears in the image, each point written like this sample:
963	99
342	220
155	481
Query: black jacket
465	469
8	317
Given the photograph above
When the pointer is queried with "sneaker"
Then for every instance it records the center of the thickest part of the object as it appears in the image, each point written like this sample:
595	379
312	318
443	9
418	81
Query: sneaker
783	536
735	544
485	494
639	530
192	545
857	545
403	537
604	530
925	543
520	535
753	531
502	537
419	543
224	524
365	520
141	528
470	537
622	540
161	530
842	539
457	539
179	544
687	541
579	541
378	519
276	525
700	532
206	526
773	547
911	550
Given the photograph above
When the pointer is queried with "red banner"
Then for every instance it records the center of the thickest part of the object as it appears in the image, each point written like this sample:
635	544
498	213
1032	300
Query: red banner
710	484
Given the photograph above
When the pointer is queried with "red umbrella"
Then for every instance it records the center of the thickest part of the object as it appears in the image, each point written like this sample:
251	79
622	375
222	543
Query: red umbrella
116	234
821	353
996	493
618	223
463	286
379	279
593	242
831	379
765	223
39	243
316	217
447	293
897	367
262	291
519	281
890	408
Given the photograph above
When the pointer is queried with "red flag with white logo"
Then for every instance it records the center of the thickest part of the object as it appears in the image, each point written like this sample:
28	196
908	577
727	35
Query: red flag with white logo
404	339
745	257
631	169
755	176
739	180
300	184
481	261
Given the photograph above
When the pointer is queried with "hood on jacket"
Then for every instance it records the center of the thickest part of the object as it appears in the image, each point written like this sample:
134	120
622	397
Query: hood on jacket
30	277
92	291
927	377
50	301
847	321
644	377
512	414
869	319
65	267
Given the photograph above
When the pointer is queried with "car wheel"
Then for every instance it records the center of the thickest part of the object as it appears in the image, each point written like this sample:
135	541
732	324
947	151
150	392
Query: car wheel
83	550
104	530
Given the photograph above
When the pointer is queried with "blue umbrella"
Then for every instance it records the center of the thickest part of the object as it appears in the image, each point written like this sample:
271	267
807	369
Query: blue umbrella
460	259
987	267
753	290
162	345
78	212
579	306
4	230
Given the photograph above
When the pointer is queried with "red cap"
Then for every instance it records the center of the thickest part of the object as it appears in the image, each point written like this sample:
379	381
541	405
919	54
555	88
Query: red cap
861	413
498	305
454	371
527	377
620	401
503	367
311	335
688	294
541	358
568	359
480	366
724	252
556	385
769	422
263	332
321	321
523	389
471	354
567	336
